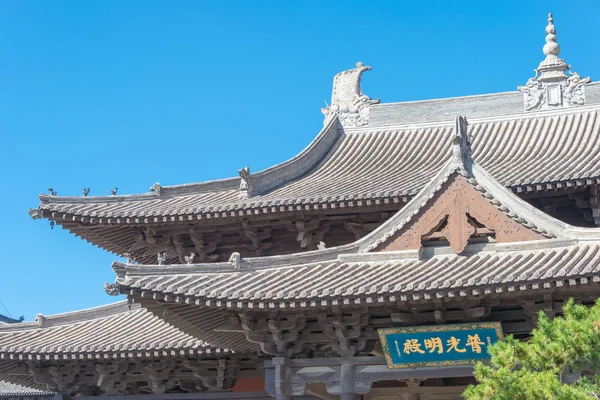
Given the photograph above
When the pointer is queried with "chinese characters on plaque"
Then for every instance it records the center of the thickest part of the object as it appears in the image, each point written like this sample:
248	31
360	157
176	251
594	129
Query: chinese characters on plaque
438	345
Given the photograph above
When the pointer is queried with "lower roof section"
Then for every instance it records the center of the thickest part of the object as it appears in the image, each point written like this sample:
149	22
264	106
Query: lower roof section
373	278
117	330
8	389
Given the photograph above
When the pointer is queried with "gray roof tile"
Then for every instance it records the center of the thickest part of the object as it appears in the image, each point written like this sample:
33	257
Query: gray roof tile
116	330
519	150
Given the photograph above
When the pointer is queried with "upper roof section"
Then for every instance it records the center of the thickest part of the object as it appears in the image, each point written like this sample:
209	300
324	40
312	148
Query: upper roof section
544	137
461	203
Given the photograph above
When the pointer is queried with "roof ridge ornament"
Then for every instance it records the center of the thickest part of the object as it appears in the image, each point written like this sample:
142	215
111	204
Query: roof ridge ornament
156	188
112	289
245	183
348	101
551	87
189	260
235	259
35	213
461	147
41	320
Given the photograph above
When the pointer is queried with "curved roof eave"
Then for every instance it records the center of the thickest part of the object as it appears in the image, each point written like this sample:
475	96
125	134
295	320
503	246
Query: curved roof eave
262	181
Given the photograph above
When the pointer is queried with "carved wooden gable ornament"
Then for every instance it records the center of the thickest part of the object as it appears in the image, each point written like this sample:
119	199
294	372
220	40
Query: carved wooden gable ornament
458	213
458	209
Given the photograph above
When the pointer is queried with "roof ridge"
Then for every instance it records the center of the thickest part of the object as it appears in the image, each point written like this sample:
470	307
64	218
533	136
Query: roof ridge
76	316
476	120
380	105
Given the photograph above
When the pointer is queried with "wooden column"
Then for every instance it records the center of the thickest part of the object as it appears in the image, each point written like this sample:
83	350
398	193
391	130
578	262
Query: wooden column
348	391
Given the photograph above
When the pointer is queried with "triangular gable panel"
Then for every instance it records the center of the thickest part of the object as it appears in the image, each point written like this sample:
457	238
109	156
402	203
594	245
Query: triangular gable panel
457	212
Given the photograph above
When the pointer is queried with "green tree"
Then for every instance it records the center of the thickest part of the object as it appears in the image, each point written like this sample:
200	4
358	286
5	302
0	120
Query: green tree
561	360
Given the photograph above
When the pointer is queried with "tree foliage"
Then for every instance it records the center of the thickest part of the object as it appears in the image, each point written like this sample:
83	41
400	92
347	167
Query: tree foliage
562	349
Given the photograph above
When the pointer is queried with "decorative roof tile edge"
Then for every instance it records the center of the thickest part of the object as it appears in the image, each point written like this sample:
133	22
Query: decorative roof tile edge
27	354
271	207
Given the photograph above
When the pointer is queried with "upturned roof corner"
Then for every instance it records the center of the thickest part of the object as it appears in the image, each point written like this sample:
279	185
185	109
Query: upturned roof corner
551	87
35	213
348	101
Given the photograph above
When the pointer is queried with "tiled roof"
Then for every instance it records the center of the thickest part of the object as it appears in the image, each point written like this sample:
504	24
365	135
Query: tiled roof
350	273
373	279
8	389
531	151
116	330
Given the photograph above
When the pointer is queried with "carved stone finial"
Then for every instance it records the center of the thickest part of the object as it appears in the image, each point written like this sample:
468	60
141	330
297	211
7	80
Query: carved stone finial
52	192
114	191
461	148
162	257
348	101
321	245
85	191
156	188
190	259
551	46
245	182
40	319
551	87
235	260
112	289
35	213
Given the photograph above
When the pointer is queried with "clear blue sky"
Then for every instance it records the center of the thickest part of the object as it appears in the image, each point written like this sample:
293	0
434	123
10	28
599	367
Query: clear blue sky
126	93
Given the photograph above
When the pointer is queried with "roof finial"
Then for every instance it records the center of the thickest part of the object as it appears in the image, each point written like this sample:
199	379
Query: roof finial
551	46
461	148
552	69
551	87
348	102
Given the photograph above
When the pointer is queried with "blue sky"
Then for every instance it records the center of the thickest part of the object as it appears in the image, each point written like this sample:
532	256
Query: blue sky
126	93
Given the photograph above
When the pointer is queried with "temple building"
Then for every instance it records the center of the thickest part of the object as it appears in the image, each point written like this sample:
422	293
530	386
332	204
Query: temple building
418	218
